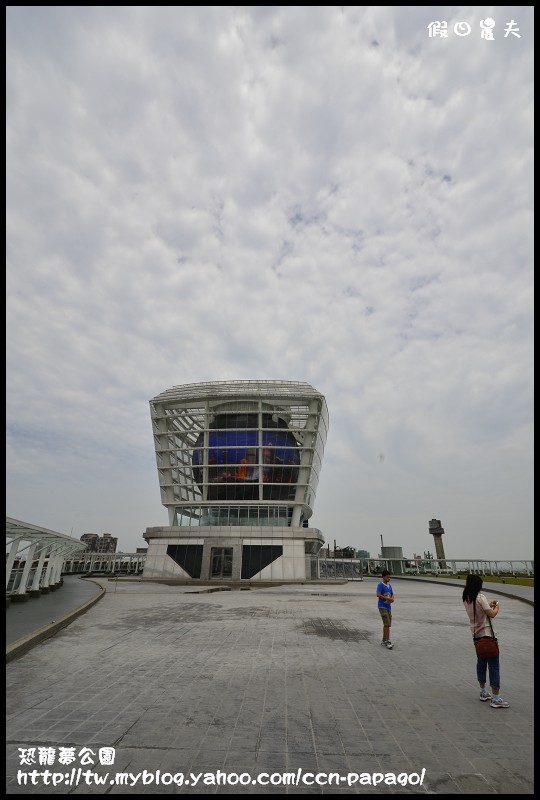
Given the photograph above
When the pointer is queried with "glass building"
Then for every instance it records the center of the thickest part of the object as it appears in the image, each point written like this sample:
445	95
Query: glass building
238	462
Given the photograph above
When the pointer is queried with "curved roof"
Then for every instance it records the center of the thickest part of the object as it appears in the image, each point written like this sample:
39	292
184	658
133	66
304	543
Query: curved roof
16	529
199	391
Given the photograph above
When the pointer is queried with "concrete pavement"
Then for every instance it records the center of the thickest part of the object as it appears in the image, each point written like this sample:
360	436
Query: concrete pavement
28	620
271	680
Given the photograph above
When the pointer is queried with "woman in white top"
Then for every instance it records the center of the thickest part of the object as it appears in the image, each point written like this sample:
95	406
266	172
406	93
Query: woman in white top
480	613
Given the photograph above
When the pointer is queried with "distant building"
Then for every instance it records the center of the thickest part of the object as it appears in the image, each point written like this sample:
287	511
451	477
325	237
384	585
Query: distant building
362	554
99	544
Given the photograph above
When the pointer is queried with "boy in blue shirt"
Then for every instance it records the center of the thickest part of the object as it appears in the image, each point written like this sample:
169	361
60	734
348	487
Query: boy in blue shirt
385	593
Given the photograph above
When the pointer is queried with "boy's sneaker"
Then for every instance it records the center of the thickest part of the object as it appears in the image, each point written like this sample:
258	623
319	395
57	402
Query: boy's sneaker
500	703
389	644
484	696
384	642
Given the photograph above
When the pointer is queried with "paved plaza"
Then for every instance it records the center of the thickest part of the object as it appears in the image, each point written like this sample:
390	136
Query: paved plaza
268	681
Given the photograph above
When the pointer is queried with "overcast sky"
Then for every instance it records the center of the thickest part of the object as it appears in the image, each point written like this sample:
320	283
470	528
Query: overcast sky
320	194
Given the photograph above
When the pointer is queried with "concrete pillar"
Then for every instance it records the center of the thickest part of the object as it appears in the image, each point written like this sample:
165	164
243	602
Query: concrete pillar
47	585
35	589
11	557
22	594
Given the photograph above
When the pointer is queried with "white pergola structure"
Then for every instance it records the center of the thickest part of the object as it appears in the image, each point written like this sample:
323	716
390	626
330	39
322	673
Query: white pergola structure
239	465
34	558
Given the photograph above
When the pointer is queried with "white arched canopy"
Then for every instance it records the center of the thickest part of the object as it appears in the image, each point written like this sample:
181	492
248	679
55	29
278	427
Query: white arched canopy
34	558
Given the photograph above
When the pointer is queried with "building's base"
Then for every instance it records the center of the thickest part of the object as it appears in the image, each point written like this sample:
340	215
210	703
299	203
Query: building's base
232	554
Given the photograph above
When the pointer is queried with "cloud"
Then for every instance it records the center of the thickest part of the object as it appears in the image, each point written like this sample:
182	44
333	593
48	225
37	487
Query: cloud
325	195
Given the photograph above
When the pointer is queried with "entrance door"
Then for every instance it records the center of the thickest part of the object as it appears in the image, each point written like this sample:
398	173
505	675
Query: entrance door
222	558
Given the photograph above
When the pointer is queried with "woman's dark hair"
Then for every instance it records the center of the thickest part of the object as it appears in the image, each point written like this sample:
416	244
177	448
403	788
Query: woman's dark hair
473	585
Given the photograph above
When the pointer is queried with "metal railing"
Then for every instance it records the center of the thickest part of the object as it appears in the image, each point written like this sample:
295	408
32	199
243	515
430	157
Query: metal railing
332	567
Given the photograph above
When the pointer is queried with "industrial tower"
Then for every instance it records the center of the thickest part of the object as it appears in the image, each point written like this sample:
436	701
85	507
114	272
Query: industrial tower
437	531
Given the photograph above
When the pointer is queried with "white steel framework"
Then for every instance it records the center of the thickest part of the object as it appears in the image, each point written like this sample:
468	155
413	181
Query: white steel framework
35	558
239	453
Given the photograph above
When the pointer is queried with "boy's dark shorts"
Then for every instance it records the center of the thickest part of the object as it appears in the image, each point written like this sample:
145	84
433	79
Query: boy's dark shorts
386	617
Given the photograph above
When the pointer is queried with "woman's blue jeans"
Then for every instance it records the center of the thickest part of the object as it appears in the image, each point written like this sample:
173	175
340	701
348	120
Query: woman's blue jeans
483	664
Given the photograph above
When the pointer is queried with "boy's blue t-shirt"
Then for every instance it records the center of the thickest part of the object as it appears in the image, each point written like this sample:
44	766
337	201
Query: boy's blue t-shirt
383	587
